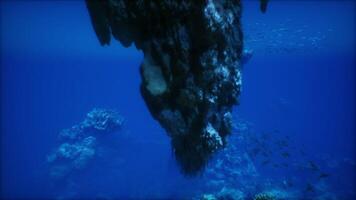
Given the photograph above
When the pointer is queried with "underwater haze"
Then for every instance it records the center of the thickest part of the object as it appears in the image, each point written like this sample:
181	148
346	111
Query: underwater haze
74	124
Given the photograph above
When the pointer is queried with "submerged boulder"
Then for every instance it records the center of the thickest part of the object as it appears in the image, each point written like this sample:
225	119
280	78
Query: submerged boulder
191	69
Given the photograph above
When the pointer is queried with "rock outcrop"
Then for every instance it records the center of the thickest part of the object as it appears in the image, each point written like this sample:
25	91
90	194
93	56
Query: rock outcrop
191	74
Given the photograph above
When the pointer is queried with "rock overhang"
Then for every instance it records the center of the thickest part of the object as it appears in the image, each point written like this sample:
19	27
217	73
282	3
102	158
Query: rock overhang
191	74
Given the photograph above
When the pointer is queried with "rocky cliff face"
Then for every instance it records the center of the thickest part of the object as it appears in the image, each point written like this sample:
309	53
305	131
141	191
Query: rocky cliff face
191	74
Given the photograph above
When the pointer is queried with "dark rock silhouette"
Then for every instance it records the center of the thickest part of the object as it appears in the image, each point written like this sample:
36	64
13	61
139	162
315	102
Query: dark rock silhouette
191	69
263	5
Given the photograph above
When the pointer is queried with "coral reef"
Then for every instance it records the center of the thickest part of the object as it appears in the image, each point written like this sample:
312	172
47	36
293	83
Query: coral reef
274	194
191	72
225	194
102	120
233	172
230	194
232	167
79	142
264	196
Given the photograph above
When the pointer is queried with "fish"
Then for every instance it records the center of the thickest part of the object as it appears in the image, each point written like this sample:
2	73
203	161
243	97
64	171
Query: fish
282	143
276	131
323	175
302	152
255	151
310	188
288	183
313	166
266	153
266	136
285	154
265	162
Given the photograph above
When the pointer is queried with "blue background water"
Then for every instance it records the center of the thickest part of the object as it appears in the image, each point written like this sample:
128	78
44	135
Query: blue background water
53	71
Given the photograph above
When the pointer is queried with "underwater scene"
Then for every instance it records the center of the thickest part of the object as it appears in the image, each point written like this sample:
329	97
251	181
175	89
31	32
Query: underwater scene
178	99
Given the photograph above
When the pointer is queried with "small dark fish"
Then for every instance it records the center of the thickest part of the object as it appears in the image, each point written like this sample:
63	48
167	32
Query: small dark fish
255	151
282	143
254	140
313	166
266	136
266	153
288	183
323	175
285	154
302	152
265	162
310	188
276	131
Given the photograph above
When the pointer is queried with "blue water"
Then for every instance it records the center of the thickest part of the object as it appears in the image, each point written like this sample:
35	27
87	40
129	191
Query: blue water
54	71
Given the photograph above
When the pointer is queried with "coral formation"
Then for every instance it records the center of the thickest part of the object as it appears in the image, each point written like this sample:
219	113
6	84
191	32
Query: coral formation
233	173
264	196
230	194
274	194
225	194
191	74
80	142
102	120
